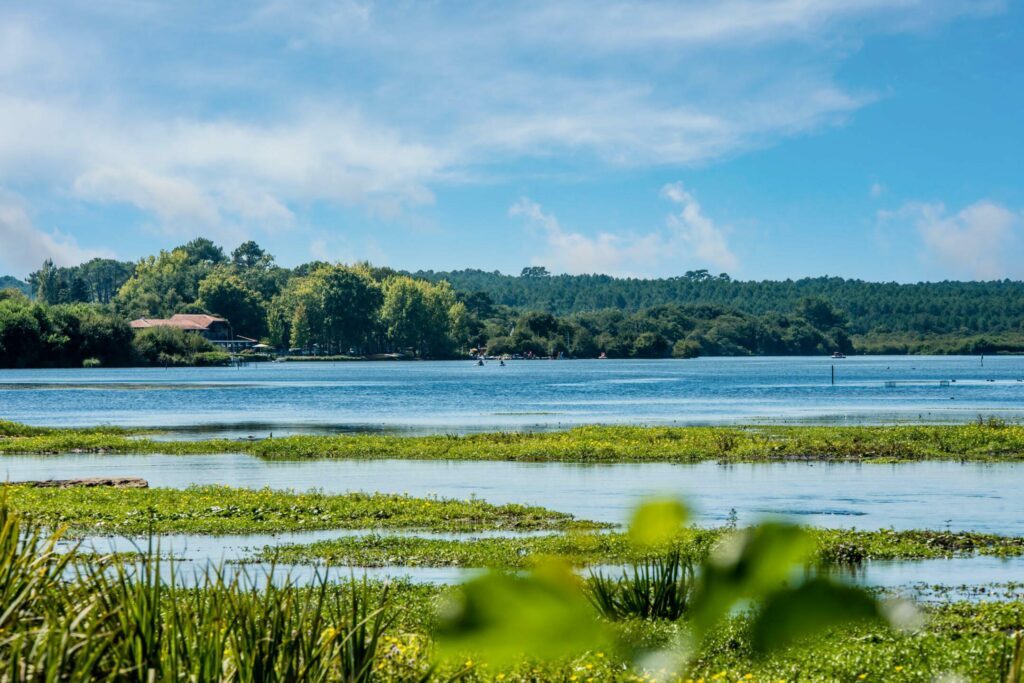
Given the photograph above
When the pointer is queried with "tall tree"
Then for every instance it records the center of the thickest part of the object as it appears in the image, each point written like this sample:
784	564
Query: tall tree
224	294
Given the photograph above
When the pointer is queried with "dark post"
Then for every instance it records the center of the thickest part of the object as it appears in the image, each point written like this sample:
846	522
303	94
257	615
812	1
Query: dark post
833	375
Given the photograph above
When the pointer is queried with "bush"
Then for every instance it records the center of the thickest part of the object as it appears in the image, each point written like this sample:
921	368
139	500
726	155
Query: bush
168	346
92	363
686	348
211	358
656	589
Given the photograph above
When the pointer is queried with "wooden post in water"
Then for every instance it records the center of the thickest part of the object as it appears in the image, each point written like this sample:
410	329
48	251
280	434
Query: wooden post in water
833	375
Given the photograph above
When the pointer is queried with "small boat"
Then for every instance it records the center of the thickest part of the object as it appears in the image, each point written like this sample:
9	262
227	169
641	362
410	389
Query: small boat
479	362
839	354
603	356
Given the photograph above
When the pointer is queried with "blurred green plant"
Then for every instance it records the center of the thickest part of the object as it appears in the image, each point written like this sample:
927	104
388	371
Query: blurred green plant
544	616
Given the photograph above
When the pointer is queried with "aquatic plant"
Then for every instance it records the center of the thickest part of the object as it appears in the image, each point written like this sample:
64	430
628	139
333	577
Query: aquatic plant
831	547
222	509
973	441
658	588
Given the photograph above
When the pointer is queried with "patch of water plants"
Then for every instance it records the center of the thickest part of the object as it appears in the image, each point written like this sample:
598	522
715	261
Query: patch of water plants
227	510
68	620
831	547
982	440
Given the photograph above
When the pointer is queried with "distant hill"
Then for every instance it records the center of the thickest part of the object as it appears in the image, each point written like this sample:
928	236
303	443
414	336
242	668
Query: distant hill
926	308
9	282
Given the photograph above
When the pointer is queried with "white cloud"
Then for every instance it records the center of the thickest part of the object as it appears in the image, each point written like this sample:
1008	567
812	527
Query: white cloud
194	174
173	200
23	247
691	237
876	190
980	241
573	252
369	104
705	238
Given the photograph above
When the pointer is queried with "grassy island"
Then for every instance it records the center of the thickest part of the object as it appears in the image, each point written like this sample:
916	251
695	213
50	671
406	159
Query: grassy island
227	510
983	441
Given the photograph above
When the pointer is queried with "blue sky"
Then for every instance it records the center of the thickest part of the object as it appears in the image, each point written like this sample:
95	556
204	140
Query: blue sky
879	139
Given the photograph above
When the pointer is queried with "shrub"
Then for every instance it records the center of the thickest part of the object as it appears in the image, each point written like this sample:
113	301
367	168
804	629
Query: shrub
656	589
686	348
168	346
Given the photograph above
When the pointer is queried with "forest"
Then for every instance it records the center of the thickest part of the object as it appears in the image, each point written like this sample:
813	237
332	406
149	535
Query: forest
73	316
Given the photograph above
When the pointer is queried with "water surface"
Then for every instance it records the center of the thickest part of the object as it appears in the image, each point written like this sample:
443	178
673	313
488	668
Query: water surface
936	495
458	396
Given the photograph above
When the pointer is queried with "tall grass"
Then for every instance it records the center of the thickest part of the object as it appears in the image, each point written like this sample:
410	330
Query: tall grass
657	588
61	620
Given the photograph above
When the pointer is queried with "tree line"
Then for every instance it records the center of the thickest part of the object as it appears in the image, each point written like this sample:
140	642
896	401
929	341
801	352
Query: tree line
925	308
79	315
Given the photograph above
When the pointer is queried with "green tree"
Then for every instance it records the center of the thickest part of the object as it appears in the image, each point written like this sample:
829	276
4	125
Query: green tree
335	307
162	285
417	314
226	295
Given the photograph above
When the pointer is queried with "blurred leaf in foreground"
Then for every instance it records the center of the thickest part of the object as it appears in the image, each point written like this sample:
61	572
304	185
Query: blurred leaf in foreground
502	618
791	614
657	523
748	566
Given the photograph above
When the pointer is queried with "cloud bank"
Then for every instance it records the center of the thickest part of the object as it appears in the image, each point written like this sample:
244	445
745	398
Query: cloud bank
689	237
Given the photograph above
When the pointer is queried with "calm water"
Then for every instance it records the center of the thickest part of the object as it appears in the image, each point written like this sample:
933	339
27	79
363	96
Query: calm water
933	495
458	396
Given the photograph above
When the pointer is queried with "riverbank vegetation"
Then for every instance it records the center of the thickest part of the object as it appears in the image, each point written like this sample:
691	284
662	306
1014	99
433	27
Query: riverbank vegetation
125	621
360	310
982	441
83	335
833	547
228	510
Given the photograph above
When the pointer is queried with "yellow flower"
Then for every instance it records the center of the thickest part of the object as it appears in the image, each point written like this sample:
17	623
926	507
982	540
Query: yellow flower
899	668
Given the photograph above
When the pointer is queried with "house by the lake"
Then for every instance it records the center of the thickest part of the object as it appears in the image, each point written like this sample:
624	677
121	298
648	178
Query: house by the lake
210	327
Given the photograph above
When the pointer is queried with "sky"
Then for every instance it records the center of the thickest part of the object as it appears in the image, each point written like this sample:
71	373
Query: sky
773	139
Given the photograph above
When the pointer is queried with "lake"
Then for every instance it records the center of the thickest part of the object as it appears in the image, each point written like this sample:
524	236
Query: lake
458	396
925	495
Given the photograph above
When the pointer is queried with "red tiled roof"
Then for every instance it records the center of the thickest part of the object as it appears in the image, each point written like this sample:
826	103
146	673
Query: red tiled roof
184	321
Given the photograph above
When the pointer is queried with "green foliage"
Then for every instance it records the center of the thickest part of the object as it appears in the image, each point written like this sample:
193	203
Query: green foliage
964	308
162	285
658	588
333	309
13	283
225	510
226	295
504	618
833	548
657	523
422	316
815	605
33	335
975	441
362	310
122	622
95	281
170	346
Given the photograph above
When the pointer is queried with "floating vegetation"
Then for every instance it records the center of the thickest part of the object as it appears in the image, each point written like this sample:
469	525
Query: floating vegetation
975	441
227	510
